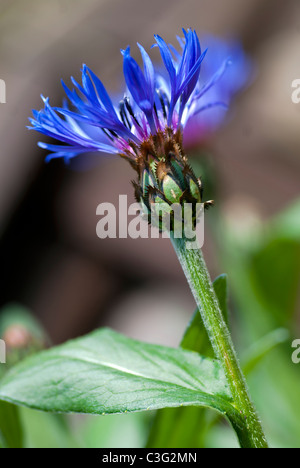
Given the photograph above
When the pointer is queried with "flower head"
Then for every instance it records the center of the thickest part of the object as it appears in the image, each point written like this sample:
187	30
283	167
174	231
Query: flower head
155	100
147	126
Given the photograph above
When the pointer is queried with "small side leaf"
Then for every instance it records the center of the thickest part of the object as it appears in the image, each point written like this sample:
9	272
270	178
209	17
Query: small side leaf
195	337
221	289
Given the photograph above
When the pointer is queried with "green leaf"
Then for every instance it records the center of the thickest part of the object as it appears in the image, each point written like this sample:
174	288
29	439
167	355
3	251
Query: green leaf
195	337
106	372
11	433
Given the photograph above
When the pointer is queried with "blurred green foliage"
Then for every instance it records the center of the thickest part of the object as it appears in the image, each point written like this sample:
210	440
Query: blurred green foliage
264	276
263	270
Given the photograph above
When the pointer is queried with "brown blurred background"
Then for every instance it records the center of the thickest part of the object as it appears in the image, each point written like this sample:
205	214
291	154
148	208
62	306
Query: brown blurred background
51	259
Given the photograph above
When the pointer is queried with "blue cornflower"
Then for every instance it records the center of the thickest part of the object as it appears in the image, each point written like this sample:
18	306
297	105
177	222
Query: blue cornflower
155	101
159	109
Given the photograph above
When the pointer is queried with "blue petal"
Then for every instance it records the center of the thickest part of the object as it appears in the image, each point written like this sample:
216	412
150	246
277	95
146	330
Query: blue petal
192	77
141	87
135	80
148	70
103	95
167	58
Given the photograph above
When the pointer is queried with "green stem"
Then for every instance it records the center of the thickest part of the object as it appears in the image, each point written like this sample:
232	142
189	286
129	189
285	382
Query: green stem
251	434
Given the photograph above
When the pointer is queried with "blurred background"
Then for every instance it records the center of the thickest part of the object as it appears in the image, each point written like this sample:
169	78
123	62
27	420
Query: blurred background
53	264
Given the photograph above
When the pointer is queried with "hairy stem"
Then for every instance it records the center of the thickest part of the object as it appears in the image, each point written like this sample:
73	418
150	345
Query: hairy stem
251	434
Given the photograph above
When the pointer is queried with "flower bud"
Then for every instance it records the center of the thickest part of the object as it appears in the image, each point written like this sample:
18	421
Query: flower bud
166	179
